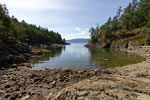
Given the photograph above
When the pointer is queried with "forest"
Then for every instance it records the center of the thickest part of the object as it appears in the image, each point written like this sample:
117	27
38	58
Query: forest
13	32
130	25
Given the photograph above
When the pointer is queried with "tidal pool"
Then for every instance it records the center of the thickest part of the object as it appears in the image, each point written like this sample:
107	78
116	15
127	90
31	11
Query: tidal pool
76	56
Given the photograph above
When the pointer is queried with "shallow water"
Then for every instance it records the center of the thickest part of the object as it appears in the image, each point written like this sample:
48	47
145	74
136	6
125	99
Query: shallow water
76	56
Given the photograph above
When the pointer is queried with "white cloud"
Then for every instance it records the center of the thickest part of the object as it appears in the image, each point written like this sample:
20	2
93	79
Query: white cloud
40	12
39	4
80	33
83	31
61	29
77	29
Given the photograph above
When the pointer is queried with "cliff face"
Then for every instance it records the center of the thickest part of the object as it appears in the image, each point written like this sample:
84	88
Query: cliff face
122	39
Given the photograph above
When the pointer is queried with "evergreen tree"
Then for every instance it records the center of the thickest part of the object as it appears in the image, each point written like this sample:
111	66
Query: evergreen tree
135	15
12	31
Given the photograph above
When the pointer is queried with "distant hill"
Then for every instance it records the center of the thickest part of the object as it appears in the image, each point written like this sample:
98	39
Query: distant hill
80	40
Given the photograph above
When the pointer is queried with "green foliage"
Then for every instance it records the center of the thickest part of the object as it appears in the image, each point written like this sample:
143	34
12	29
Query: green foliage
115	23
13	31
64	40
148	21
135	15
147	39
94	34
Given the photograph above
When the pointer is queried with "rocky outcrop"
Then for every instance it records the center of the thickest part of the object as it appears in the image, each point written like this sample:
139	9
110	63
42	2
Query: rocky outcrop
13	56
9	53
115	45
125	38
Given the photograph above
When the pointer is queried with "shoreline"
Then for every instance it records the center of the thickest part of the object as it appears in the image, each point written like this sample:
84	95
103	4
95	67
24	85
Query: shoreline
21	58
127	82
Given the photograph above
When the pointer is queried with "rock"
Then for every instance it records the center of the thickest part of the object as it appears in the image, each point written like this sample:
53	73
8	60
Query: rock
21	48
31	93
24	93
38	92
37	79
53	83
81	71
40	86
83	93
14	96
59	94
14	65
67	69
25	98
16	88
7	86
33	76
106	59
7	96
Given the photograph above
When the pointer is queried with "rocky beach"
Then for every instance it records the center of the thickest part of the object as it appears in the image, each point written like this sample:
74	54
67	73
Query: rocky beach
131	82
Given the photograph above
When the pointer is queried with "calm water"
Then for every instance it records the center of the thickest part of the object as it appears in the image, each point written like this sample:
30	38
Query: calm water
76	56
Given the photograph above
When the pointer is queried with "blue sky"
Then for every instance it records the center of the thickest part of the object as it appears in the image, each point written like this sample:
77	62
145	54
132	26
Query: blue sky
71	18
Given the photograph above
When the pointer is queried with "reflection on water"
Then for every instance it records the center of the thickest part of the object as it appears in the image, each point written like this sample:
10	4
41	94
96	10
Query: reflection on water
112	58
56	52
76	56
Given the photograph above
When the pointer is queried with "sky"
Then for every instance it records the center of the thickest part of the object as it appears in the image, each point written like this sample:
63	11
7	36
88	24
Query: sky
71	18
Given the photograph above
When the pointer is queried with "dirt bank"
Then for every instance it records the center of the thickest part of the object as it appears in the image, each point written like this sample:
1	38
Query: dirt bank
130	82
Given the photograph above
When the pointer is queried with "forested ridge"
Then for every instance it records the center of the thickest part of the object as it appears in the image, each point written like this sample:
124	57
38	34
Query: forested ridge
12	31
131	25
16	38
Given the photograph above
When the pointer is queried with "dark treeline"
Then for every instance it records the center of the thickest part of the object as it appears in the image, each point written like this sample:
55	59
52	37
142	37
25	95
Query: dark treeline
12	31
135	16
